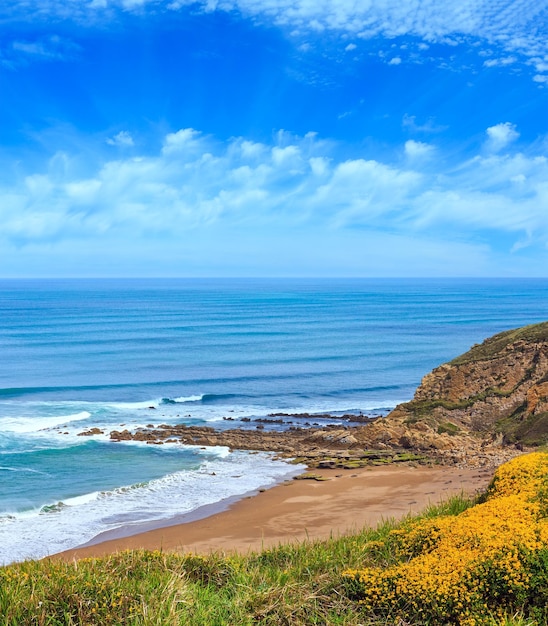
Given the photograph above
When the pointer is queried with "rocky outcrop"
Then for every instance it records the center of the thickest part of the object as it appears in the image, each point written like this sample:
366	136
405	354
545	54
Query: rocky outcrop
497	391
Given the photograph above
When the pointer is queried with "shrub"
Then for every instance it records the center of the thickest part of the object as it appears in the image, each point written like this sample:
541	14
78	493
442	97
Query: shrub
490	560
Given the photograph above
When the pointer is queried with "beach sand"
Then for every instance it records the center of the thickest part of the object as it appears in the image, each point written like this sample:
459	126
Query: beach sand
305	509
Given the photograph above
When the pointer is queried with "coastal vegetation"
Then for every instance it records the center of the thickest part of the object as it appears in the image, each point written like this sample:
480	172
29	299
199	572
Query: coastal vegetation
488	562
481	561
495	345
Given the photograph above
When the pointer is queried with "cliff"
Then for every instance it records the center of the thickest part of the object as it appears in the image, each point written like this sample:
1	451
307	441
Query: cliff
493	396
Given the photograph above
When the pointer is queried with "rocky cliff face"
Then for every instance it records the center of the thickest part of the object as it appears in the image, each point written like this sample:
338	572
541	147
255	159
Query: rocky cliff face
495	394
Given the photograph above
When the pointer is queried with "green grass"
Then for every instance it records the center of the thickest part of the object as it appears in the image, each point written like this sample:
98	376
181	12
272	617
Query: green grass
448	428
422	409
493	346
531	430
294	584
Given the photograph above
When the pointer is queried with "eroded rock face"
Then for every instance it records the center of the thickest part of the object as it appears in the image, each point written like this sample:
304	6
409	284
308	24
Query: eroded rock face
537	399
497	388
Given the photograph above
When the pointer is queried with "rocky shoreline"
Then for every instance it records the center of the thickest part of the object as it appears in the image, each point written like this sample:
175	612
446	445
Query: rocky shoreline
331	447
325	447
479	410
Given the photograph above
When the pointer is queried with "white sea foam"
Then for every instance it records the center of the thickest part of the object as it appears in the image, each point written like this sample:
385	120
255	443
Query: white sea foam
36	424
221	451
84	499
62	526
23	470
132	406
183	399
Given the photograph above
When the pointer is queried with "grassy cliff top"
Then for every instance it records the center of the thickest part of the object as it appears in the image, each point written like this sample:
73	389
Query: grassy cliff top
493	346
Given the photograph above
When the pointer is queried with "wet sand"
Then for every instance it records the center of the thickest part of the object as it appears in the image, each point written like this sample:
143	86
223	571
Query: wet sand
305	509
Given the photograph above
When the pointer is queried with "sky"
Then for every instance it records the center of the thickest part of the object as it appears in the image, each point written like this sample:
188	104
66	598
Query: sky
351	138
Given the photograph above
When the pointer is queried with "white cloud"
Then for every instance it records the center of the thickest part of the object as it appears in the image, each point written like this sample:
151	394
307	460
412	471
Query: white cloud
515	26
360	192
287	155
122	139
196	189
319	166
500	193
186	140
499	136
394	61
510	60
33	48
417	149
541	64
350	47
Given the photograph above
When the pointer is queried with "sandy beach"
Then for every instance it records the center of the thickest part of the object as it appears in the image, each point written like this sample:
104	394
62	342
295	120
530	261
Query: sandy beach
305	509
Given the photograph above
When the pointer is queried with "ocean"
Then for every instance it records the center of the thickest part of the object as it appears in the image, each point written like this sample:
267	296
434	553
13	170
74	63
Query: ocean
114	354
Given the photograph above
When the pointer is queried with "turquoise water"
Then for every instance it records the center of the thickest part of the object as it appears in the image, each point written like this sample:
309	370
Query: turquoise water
93	353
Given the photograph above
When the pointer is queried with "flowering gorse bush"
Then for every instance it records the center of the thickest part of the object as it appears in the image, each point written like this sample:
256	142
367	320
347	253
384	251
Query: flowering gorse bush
489	561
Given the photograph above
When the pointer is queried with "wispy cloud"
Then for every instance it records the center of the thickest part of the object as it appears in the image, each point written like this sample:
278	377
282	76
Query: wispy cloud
502	61
195	183
47	48
427	126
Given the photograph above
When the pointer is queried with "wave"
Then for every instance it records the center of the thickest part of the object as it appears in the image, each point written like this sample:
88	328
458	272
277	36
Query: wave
14	392
35	424
74	501
22	469
212	398
182	399
66	524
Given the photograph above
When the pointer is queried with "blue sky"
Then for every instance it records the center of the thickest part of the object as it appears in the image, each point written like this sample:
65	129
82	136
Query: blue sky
273	138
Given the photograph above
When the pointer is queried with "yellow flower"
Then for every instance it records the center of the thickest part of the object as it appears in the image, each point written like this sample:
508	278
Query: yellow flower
473	560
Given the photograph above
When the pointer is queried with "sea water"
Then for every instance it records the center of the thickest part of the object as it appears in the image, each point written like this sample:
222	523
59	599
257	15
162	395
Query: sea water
117	354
